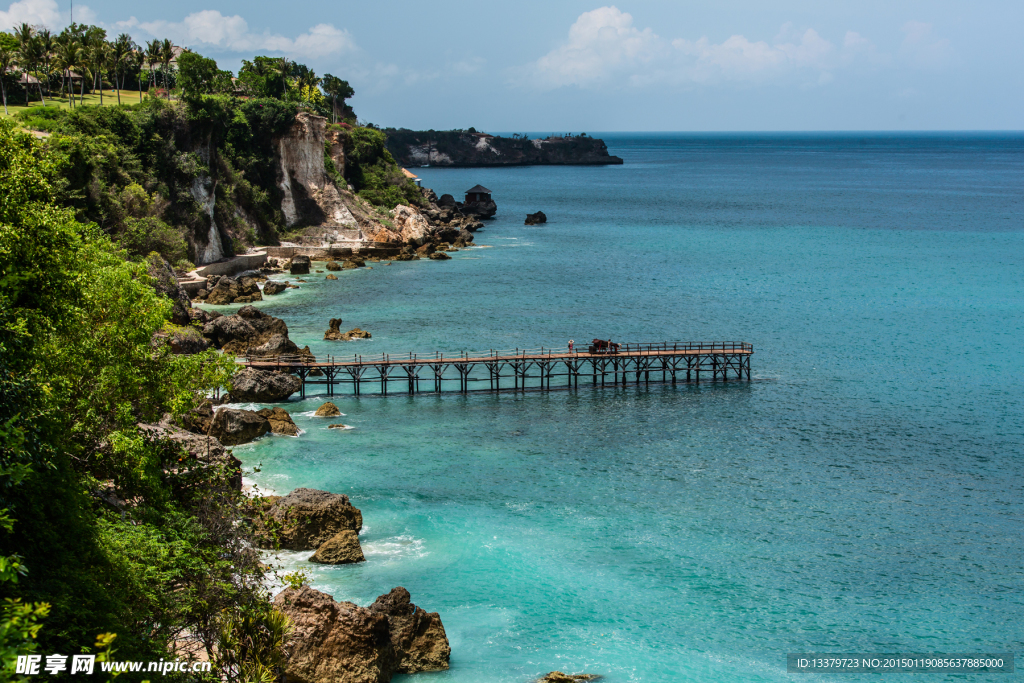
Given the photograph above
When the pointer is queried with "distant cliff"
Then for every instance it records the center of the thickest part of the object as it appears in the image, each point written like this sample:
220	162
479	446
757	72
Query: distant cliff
412	148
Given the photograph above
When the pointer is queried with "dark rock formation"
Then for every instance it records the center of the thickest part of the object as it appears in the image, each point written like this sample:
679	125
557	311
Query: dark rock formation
327	410
337	426
335	333
166	282
279	420
187	340
485	209
262	386
462	149
536	218
331	276
309	517
273	287
440	256
230	291
559	677
417	636
333	265
335	642
299	265
233	427
342	548
200	452
251	331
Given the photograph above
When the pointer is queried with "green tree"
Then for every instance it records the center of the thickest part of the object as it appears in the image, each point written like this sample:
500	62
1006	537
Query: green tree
120	53
166	57
153	58
197	75
336	89
29	52
7	61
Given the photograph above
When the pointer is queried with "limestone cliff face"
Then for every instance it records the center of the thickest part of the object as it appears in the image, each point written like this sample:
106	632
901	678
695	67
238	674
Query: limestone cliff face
464	149
310	196
207	244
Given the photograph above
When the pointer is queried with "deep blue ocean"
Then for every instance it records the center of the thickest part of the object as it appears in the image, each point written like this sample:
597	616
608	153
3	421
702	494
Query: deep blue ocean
862	494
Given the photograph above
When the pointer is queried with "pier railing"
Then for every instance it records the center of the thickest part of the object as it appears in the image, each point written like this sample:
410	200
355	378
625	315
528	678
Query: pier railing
579	350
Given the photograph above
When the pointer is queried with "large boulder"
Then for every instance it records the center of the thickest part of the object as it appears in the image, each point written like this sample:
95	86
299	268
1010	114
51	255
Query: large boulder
253	332
335	642
299	265
166	282
280	421
440	256
417	635
327	410
559	677
263	386
342	548
230	290
309	517
233	427
273	287
333	265
536	219
411	224
198	452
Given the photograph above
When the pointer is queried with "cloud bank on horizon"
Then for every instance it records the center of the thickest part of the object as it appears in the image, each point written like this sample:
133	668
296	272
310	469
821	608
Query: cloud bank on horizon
752	76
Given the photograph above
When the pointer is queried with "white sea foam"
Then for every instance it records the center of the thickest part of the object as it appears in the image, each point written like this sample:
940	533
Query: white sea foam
394	548
312	413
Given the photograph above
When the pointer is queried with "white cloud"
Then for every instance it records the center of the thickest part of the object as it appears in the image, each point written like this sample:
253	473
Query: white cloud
601	43
41	13
604	46
211	29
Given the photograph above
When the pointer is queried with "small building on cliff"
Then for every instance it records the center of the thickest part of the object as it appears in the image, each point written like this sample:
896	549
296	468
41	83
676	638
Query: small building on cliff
478	194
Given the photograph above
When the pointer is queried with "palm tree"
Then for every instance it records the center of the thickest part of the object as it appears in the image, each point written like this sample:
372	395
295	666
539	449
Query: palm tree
166	57
335	87
29	50
98	56
46	47
153	49
138	61
283	68
6	62
68	58
121	50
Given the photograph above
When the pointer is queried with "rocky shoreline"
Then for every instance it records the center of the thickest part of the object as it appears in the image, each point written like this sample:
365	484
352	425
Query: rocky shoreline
469	148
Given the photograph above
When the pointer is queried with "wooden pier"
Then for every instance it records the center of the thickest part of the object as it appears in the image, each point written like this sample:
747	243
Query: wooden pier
520	369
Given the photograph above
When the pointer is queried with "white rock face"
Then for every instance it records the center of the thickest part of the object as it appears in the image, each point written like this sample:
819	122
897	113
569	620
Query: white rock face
411	224
301	152
203	191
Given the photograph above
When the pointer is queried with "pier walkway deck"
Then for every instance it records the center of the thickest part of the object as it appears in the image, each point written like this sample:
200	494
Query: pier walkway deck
519	369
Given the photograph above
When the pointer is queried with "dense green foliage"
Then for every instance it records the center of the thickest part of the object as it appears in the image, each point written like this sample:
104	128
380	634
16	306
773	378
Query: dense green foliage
117	533
372	171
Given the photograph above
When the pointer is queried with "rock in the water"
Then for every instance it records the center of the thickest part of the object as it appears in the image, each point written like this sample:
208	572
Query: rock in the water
309	517
251	331
405	257
333	265
342	548
280	421
299	265
355	334
335	642
166	282
229	291
352	263
536	218
273	287
338	426
263	386
440	256
465	235
426	249
331	277
417	635
334	332
327	410
559	677
232	427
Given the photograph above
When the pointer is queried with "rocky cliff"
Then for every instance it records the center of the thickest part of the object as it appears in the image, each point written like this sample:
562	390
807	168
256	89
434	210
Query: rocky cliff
460	148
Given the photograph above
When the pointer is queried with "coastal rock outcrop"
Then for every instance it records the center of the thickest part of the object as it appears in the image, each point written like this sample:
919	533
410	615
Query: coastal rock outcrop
263	386
536	218
440	256
309	517
233	427
417	635
200	451
279	420
252	331
559	677
309	194
272	287
333	265
334	332
299	265
230	291
331	276
342	548
411	225
464	149
335	642
327	410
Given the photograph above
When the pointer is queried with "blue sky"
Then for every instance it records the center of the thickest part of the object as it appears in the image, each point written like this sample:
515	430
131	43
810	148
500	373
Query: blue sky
730	65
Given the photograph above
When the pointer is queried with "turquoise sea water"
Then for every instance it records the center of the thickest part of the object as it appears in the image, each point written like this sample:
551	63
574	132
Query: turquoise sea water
863	494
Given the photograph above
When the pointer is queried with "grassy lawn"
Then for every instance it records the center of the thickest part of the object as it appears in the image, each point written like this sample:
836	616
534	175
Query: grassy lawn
109	98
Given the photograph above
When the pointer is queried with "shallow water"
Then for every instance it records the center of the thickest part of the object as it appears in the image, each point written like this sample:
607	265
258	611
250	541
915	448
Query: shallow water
863	494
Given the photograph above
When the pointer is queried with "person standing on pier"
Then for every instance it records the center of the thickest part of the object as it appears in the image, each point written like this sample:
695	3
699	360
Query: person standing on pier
571	342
